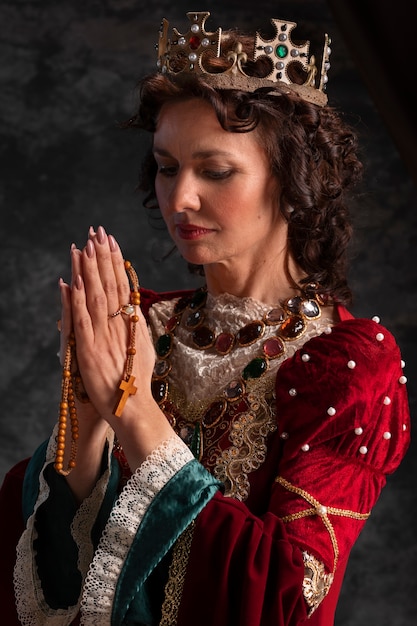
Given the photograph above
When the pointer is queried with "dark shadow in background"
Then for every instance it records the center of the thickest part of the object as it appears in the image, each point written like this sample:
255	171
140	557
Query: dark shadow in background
380	36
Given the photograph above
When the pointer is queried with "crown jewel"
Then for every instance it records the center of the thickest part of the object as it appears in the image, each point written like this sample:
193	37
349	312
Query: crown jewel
194	46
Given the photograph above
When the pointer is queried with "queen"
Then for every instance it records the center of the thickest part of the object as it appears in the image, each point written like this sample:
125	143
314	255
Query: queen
218	451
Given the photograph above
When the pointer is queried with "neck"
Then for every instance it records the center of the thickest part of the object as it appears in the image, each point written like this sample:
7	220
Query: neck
268	282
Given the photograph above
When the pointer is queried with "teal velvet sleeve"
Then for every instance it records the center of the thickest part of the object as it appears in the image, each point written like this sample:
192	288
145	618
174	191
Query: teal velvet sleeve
169	514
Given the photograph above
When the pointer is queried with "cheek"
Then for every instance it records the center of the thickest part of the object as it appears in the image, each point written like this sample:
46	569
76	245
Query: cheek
161	195
158	190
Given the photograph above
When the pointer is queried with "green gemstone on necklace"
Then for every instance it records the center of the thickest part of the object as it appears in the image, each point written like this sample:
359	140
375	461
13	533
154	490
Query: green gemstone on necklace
255	368
281	51
196	442
163	345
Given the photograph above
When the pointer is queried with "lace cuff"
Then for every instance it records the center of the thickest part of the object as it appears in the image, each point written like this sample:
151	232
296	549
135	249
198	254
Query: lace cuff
31	605
154	473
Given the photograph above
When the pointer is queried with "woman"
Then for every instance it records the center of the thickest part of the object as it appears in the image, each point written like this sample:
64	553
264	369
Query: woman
226	445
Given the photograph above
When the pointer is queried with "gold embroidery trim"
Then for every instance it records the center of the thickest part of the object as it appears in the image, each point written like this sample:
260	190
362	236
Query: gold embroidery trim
322	511
176	577
248	435
316	583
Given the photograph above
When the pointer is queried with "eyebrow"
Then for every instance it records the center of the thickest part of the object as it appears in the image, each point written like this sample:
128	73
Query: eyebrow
199	154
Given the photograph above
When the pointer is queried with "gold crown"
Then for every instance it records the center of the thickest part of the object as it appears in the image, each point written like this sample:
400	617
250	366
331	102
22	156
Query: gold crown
194	46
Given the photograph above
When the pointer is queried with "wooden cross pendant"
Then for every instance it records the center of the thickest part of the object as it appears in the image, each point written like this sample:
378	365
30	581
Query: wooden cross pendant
127	388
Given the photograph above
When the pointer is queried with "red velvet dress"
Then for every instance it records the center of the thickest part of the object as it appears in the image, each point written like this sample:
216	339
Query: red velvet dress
273	549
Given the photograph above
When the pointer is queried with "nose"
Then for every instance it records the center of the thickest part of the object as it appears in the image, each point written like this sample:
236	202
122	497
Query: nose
184	193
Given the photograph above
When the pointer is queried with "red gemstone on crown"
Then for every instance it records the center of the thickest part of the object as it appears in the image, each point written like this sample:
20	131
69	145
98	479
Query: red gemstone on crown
194	42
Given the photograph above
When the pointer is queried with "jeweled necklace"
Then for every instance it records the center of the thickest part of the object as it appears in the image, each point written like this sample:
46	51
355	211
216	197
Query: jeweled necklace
290	319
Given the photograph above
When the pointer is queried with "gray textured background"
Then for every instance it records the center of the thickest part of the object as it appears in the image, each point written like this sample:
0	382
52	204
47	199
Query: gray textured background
68	71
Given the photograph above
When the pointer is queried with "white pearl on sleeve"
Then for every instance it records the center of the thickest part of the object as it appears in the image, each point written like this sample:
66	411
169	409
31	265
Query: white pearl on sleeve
292	392
387	435
358	431
376	319
402	380
387	400
305	358
331	410
380	337
351	365
363	449
305	447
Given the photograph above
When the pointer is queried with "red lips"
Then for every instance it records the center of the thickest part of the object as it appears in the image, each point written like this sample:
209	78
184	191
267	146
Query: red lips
192	231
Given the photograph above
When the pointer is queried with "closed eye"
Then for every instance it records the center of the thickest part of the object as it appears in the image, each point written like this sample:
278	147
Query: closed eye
167	170
218	174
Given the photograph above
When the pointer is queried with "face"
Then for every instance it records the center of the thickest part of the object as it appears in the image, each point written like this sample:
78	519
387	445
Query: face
214	188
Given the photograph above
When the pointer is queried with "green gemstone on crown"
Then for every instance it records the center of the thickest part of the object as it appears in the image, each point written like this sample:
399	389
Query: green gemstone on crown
281	51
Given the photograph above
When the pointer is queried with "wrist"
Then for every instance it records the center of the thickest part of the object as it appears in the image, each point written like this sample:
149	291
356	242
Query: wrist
140	430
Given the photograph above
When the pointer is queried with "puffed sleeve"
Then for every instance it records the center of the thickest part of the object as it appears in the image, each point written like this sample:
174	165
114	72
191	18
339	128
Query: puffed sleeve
343	416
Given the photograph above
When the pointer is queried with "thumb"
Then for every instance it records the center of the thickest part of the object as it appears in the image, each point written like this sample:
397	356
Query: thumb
66	318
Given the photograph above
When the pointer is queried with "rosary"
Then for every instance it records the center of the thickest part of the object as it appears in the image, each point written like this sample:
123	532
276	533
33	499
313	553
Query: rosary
71	385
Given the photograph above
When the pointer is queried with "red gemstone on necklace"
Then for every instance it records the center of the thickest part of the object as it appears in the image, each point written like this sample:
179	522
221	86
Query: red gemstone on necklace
250	333
181	305
171	324
292	327
224	343
159	390
194	42
203	337
273	347
213	414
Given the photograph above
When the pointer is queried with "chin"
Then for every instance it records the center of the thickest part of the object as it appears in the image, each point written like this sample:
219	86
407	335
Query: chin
194	256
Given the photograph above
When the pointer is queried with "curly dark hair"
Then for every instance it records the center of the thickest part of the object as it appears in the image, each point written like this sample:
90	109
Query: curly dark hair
312	151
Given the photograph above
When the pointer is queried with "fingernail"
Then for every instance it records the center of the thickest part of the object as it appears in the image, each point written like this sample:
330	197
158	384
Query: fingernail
101	234
91	231
90	248
112	243
78	281
73	246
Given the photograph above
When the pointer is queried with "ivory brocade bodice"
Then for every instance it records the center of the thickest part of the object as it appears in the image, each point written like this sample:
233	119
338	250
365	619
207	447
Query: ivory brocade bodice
233	436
